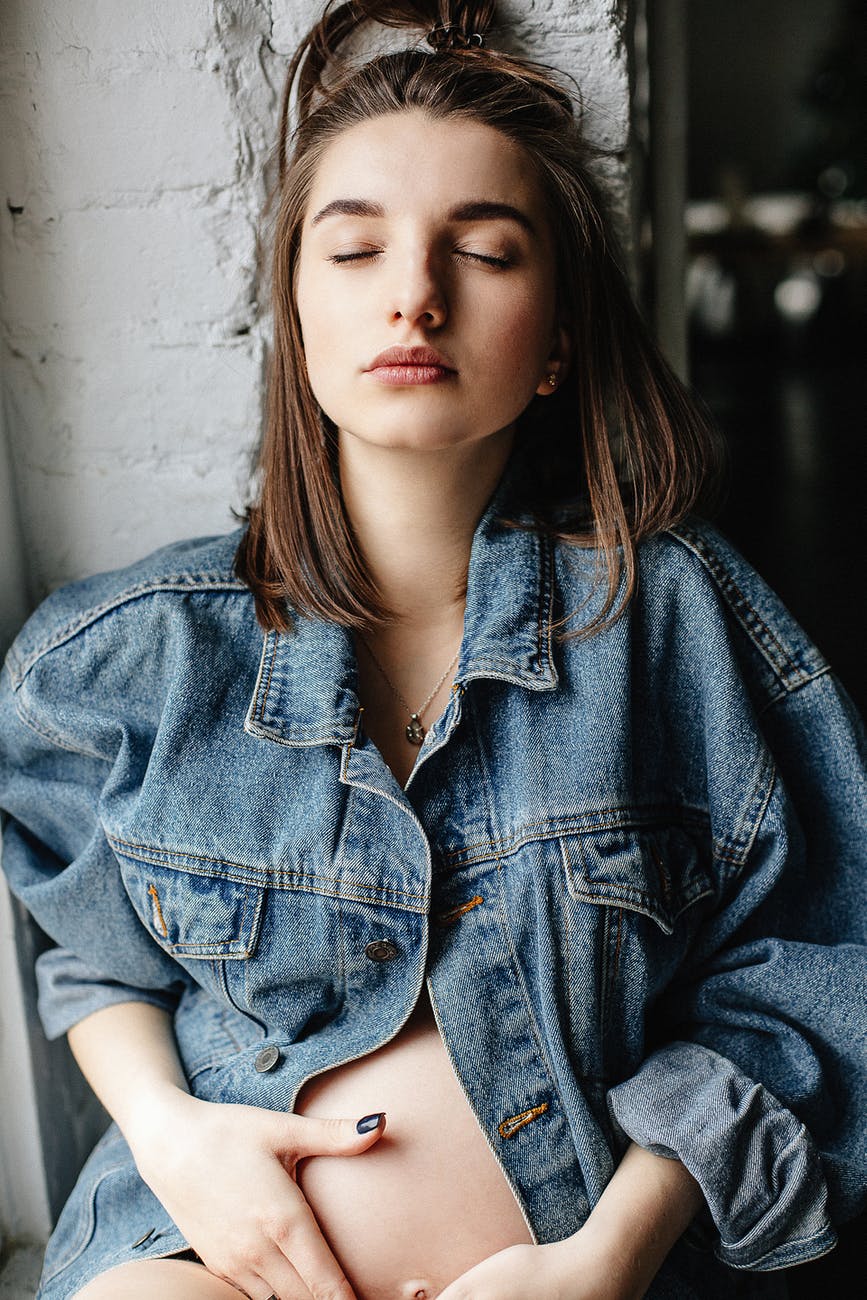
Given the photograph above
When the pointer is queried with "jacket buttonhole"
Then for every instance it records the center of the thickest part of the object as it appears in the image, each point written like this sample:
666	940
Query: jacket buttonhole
159	920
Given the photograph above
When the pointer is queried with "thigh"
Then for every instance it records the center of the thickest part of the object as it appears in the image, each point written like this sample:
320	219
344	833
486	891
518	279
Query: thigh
170	1279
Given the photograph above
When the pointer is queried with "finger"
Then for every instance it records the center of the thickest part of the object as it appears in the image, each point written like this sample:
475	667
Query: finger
312	1136
277	1279
303	1243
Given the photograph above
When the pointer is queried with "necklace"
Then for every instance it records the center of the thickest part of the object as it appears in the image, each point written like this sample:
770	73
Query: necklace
414	731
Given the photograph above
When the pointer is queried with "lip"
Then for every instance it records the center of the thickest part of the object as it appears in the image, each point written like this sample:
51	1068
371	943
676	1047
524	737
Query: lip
405	358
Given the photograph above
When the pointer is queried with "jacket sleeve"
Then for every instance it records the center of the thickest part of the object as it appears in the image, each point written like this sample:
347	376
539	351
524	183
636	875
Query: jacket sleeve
758	1083
59	864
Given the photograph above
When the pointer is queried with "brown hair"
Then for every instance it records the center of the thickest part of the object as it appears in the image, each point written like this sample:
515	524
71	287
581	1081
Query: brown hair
622	432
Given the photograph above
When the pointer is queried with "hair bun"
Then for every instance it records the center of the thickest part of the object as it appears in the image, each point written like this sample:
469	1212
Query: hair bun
449	36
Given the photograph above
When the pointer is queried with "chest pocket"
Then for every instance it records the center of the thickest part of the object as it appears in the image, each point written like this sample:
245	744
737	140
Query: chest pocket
193	914
650	887
658	871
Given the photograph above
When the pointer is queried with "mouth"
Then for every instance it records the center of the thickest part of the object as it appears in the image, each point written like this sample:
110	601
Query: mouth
401	376
403	367
425	358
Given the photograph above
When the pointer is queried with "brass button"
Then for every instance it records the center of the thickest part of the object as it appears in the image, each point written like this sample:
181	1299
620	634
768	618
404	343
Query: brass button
267	1059
381	950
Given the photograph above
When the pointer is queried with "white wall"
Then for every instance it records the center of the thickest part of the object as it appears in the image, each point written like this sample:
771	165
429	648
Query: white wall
134	137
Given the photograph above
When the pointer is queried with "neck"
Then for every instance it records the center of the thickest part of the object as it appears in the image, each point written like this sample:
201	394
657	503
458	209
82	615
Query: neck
414	514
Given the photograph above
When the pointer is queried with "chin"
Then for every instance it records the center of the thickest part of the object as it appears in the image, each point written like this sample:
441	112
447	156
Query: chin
419	439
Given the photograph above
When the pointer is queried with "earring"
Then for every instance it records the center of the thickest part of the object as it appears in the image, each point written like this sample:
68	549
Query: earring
552	380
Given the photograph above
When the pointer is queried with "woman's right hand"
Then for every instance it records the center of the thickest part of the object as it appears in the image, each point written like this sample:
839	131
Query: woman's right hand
226	1175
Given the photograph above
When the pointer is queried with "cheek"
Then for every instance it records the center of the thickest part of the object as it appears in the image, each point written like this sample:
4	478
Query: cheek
523	340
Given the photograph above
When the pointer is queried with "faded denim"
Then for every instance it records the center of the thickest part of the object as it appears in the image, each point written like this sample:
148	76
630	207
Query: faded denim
631	871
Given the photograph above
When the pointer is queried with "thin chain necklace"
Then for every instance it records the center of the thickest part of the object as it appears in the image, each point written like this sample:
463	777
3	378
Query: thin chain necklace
414	731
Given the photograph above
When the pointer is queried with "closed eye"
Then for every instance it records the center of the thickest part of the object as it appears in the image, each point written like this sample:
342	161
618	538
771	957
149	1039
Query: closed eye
349	257
500	262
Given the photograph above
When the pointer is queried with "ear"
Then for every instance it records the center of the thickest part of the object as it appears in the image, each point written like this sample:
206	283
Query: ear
558	361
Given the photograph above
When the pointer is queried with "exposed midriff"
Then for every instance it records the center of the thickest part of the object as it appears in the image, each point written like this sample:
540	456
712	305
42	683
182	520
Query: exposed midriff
428	1199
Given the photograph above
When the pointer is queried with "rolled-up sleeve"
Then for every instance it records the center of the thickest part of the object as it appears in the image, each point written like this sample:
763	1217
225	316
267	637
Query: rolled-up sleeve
59	864
758	1080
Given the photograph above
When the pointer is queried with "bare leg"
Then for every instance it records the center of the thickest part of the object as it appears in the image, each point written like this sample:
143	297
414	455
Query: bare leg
170	1279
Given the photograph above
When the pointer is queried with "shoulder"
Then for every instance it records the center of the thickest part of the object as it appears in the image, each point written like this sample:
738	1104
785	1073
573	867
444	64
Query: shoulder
186	569
700	602
765	634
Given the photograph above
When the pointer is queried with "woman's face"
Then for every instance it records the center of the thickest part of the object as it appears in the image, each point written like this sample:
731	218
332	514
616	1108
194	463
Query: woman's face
397	250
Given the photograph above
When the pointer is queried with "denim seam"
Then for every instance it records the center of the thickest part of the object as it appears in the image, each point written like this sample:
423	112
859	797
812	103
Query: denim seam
222	969
272	878
825	671
744	835
787	1249
788	672
224	947
681	899
89	1224
546	597
556	827
301	735
568	944
20	666
53	737
265	685
796	1136
612	962
402	804
514	966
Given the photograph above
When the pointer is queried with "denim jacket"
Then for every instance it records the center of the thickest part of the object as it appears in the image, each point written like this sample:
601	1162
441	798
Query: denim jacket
631	869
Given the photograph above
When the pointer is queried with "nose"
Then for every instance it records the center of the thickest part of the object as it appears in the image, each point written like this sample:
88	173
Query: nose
419	294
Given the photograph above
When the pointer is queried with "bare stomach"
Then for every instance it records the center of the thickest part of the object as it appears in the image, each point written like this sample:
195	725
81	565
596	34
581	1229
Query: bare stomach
428	1200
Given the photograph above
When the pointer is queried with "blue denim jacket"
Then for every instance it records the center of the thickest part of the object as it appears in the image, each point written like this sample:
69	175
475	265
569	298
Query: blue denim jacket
630	869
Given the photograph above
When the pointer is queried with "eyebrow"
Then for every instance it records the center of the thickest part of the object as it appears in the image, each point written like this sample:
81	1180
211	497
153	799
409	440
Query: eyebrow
473	210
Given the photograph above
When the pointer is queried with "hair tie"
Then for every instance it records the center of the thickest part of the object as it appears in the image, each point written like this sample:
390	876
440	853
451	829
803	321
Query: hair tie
453	38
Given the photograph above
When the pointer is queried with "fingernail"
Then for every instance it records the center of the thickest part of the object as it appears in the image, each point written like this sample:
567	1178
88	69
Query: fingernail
370	1122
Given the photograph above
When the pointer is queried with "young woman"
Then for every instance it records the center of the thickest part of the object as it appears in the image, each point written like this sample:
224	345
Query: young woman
477	788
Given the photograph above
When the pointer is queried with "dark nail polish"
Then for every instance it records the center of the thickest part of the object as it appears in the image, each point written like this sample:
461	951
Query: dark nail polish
370	1122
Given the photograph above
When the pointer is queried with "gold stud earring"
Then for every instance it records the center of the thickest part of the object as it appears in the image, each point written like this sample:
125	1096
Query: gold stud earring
552	380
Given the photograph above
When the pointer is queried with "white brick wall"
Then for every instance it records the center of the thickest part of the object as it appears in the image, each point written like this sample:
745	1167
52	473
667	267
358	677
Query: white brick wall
133	144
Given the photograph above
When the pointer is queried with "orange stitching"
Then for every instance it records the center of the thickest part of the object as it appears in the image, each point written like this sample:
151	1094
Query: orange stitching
355	734
446	918
510	1126
152	890
164	858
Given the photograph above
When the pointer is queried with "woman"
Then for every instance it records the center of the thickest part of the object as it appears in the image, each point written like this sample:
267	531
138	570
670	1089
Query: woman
528	832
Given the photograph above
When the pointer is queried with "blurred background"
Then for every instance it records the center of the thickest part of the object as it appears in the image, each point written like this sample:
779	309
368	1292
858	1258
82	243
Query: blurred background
773	132
775	267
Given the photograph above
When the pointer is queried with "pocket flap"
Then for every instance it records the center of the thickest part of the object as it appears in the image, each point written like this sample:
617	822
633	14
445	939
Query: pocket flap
656	870
192	914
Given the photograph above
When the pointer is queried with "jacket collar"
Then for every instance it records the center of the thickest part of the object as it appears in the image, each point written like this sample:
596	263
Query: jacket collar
307	688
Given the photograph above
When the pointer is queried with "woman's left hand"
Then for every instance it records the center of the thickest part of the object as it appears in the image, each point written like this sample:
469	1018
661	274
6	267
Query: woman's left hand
525	1272
616	1253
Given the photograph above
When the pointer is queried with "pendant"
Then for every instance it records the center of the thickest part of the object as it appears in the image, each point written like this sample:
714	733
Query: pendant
414	730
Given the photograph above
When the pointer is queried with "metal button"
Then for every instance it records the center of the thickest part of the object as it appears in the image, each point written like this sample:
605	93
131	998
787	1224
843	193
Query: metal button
381	950
141	1241
267	1059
